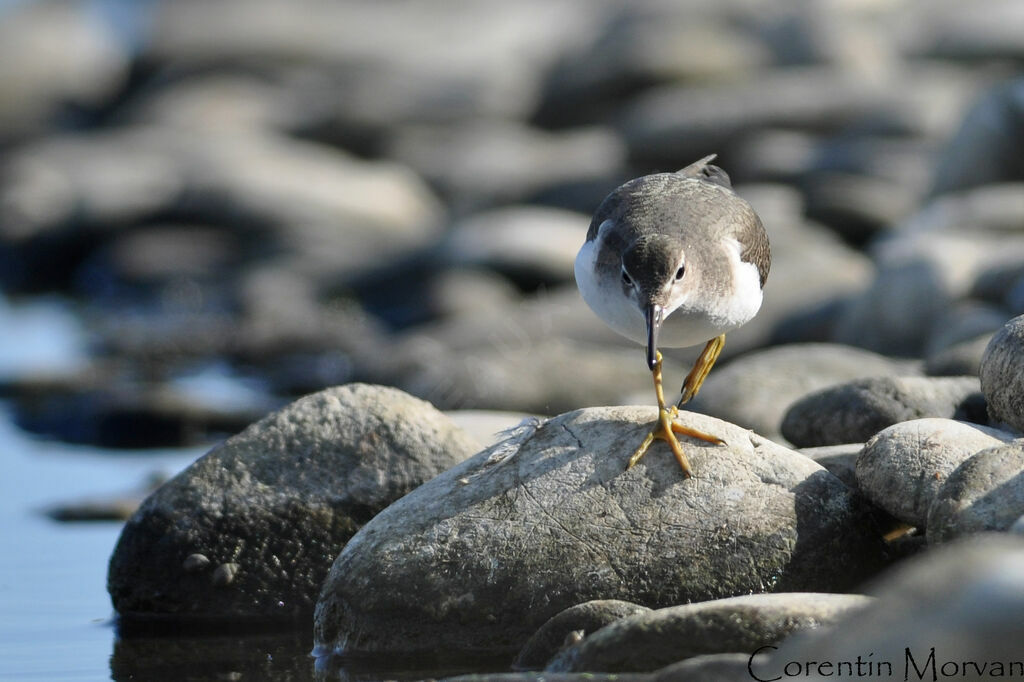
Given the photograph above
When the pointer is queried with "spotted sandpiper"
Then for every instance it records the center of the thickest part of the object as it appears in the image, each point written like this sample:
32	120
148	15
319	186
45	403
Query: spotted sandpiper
678	258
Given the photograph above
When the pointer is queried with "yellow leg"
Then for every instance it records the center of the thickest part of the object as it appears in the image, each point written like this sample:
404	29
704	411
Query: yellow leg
701	368
668	427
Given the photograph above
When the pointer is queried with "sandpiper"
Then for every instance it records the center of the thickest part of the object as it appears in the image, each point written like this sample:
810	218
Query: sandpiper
678	258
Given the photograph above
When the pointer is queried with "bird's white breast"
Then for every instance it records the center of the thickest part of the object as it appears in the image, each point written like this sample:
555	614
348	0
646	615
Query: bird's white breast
713	309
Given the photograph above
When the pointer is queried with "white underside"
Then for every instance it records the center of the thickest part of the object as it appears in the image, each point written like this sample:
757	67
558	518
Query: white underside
695	322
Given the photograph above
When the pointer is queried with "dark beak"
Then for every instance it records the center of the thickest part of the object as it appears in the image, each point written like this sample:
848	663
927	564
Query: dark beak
653	315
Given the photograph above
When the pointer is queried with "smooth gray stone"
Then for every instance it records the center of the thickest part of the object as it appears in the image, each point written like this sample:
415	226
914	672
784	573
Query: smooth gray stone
575	623
963	600
480	557
531	243
959	359
500	162
707	668
271	507
650	641
1002	380
756	390
985	493
903	467
838	460
855	411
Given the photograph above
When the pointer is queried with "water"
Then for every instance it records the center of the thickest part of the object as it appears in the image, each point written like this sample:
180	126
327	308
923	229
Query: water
56	620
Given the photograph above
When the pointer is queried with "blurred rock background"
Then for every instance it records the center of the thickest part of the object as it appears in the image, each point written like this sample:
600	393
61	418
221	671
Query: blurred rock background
211	207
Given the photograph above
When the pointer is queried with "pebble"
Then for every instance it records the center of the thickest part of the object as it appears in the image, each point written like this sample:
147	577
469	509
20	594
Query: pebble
1002	380
274	504
756	390
985	493
903	467
571	626
424	574
653	640
854	411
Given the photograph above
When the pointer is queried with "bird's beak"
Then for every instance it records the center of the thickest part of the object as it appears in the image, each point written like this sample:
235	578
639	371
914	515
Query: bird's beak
653	315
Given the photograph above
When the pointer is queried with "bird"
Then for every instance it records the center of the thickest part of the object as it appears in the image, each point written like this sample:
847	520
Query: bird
679	259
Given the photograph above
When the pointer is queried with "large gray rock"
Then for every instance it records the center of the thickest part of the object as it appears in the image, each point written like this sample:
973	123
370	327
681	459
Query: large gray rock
478	558
756	390
650	641
903	467
570	626
985	493
962	600
855	411
1002	374
248	531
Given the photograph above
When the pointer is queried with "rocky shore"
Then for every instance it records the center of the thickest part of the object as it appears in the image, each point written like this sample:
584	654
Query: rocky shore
338	237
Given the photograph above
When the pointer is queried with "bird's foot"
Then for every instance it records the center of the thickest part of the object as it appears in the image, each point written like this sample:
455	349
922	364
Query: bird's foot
666	430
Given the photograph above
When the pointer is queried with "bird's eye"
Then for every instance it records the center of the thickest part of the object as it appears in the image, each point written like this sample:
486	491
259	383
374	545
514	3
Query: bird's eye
679	273
626	279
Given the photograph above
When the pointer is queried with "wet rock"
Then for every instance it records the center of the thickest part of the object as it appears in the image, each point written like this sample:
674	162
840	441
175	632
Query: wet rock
962	600
903	467
838	460
272	506
54	57
570	626
570	525
985	493
855	411
650	641
756	390
1002	381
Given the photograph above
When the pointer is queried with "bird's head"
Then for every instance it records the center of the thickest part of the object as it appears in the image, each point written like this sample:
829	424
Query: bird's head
654	278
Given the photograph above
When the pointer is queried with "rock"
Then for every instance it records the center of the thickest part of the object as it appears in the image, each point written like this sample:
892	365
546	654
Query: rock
272	506
355	212
478	558
54	56
855	411
569	626
756	390
707	668
372	67
963	601
959	359
501	162
488	426
641	45
838	460
1002	381
650	641
904	466
530	244
921	275
667	124
985	493
856	206
813	274
950	32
